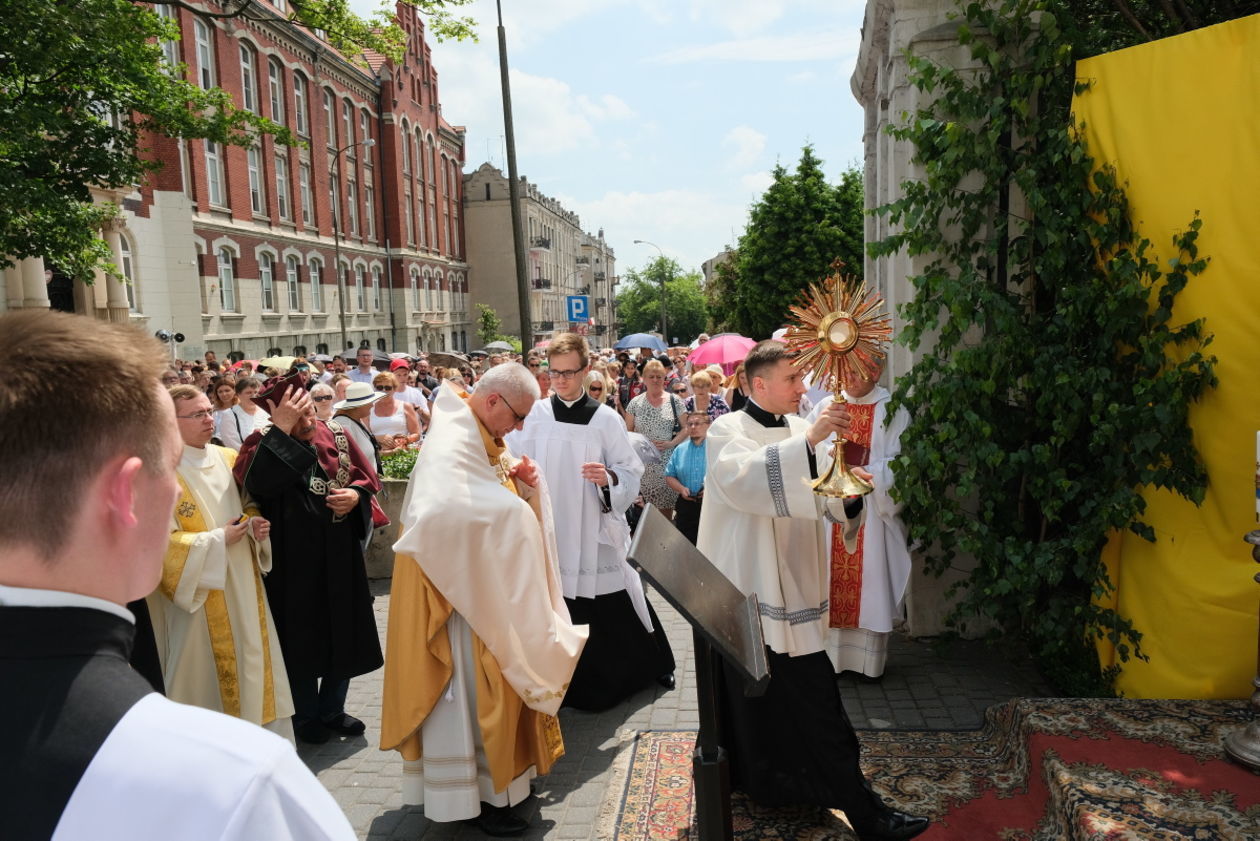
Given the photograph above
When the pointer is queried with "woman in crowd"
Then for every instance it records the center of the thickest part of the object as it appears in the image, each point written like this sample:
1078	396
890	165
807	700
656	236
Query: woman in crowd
544	383
322	396
737	389
597	388
658	415
704	399
222	396
239	421
629	386
339	382
393	422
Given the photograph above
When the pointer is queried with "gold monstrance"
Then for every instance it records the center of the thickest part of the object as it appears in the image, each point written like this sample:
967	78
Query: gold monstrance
839	333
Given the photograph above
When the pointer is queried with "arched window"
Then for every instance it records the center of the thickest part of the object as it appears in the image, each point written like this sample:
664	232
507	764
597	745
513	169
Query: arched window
129	275
415	288
347	126
203	37
428	291
437	287
249	80
227	280
299	350
406	148
376	289
267	283
380	344
291	278
301	119
360	289
330	117
322	347
317	286
275	89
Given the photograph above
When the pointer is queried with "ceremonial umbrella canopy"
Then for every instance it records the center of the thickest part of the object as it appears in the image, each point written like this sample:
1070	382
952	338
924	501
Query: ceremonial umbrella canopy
727	350
498	346
280	363
640	340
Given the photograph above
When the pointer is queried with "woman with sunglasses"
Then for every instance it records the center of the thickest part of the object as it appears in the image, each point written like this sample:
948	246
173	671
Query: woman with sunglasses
597	388
393	422
322	397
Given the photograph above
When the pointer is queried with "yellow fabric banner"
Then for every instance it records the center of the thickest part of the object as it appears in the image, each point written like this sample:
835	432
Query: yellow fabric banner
1180	121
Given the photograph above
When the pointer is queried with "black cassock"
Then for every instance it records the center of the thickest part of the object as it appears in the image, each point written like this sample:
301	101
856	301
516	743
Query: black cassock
318	587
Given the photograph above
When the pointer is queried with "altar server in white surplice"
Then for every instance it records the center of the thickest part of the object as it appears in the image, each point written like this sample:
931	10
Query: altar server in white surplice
92	753
584	452
868	585
215	636
763	527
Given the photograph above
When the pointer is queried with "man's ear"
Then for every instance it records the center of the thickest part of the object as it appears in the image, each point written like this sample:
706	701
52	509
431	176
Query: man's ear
120	491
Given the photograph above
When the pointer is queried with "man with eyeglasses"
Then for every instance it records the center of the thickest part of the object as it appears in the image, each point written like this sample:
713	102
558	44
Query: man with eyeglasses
216	638
584	452
364	373
476	604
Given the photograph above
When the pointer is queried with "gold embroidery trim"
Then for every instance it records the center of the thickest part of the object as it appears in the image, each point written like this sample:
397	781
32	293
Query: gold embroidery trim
269	685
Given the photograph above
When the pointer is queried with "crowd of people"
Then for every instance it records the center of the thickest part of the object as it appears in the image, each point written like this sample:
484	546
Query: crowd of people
209	523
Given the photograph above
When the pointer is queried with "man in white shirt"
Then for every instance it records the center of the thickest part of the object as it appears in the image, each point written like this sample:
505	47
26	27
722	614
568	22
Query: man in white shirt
93	752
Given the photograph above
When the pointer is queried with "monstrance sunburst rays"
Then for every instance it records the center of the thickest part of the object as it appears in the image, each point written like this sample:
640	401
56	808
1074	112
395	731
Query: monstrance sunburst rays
839	331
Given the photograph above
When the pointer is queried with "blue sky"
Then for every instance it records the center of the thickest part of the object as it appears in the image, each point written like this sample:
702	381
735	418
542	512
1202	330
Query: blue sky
660	120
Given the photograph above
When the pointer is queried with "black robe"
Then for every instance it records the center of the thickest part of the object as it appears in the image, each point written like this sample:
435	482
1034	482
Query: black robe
318	586
66	683
620	657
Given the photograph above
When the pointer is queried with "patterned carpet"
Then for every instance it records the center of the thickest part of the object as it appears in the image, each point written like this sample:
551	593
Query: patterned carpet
1038	770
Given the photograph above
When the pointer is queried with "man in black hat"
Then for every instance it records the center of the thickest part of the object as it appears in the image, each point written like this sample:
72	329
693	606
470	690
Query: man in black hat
316	489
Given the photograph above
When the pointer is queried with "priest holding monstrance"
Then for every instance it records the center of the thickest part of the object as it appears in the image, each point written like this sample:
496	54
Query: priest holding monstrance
764	526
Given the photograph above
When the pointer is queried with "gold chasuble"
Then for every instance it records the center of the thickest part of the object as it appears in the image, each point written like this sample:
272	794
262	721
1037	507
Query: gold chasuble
465	546
206	583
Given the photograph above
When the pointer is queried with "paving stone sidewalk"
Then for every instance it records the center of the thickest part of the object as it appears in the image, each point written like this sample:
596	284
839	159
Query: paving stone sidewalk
930	684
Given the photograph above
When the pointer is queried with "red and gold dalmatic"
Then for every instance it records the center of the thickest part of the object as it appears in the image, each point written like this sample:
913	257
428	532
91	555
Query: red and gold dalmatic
846	568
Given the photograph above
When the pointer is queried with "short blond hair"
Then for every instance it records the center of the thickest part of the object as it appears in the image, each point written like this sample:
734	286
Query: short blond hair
702	378
570	343
653	367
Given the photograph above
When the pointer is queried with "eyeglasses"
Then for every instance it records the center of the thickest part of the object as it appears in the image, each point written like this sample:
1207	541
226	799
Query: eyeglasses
565	375
386	388
535	364
170	379
680	391
596	388
519	417
323	399
202	415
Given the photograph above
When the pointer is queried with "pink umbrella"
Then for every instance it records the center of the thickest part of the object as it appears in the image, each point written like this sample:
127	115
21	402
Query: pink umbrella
727	350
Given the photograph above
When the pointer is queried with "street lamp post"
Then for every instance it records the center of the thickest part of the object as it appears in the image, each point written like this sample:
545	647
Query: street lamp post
664	331
366	143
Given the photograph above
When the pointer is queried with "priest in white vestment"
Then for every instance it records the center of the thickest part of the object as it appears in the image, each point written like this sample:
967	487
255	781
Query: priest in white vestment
868	585
764	528
216	639
592	472
480	647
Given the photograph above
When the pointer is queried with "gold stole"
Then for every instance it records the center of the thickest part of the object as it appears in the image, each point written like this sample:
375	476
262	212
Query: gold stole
191	523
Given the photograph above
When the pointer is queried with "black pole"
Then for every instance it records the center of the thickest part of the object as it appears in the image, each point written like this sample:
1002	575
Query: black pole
514	194
709	766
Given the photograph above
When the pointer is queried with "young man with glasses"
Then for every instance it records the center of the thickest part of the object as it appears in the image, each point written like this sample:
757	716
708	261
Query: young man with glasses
593	473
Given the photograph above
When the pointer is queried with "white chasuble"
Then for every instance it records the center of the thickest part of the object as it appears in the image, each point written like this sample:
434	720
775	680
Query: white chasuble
592	542
215	635
764	528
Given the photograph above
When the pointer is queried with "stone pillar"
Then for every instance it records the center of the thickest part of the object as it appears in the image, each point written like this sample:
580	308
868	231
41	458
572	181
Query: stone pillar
34	283
118	310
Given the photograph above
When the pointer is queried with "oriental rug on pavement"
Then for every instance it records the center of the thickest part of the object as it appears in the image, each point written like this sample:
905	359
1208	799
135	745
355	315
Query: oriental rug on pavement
1038	770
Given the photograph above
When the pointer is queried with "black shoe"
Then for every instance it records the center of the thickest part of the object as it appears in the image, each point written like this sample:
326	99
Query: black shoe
499	822
666	680
346	725
312	732
891	825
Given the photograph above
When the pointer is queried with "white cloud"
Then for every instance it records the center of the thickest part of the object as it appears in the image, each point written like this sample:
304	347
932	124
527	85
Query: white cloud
757	182
689	226
745	144
740	17
608	107
807	46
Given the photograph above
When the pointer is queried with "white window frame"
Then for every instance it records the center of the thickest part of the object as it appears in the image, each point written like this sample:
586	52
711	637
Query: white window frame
267	283
347	122
415	288
128	266
203	37
428	291
214	174
300	115
369	218
170	47
257	190
275	87
282	187
304	191
365	131
317	285
292	276
249	79
352	207
409	210
330	116
227	280
360	289
376	289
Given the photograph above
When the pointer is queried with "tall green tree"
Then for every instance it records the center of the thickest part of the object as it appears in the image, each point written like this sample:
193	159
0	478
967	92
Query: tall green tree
81	83
1055	383
639	301
798	227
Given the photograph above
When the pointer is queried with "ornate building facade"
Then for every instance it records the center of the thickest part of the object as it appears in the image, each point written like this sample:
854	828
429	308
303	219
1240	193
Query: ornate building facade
354	238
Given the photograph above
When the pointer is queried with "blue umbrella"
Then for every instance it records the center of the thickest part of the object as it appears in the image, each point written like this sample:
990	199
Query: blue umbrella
638	340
